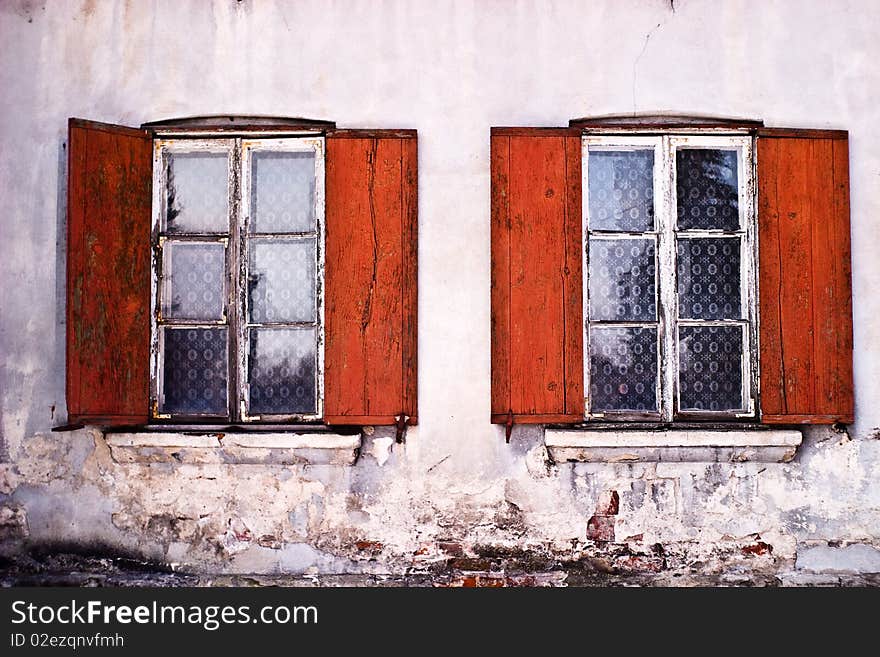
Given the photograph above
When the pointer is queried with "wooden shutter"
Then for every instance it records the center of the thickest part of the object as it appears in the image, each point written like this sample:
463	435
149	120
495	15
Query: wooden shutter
108	273
537	327
370	316
805	277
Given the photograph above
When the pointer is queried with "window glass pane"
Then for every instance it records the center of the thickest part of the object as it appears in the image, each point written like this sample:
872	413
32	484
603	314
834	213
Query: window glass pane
281	281
623	369
622	280
621	190
281	371
283	196
193	281
710	368
707	189
709	278
196	195
194	371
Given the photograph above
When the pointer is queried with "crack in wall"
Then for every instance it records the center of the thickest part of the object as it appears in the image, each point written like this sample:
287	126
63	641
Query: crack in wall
642	53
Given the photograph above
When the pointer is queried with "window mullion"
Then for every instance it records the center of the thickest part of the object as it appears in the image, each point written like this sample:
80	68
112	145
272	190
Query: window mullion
749	281
666	274
234	275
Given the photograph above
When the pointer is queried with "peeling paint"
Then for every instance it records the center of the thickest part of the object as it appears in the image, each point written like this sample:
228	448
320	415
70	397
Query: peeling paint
455	505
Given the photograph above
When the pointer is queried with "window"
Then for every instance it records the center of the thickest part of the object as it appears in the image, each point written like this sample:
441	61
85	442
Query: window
670	270
241	271
668	287
239	247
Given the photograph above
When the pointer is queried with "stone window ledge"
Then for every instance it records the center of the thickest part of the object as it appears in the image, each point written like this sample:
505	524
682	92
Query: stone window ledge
682	445
232	448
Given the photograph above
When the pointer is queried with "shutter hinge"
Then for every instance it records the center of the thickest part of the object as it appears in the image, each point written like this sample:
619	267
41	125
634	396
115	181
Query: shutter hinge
508	426
402	420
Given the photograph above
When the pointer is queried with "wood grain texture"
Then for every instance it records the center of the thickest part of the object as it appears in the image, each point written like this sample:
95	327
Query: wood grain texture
366	420
108	273
537	258
377	133
504	131
572	281
370	317
537	343
808	419
539	418
500	274
838	344
805	279
409	292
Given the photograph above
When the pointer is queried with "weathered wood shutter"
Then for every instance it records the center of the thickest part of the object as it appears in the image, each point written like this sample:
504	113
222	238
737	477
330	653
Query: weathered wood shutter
108	273
537	246
370	318
805	277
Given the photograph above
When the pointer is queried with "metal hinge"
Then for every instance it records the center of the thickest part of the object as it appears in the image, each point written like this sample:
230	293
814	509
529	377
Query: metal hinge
401	419
508	426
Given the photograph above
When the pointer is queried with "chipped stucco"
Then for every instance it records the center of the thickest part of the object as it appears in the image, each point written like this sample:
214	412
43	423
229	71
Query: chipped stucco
454	502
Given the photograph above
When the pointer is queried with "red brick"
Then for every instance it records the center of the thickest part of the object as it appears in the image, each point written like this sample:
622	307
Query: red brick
521	580
601	528
609	503
490	582
369	546
757	548
638	564
451	548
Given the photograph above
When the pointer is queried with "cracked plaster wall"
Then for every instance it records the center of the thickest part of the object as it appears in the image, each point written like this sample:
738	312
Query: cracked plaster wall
450	70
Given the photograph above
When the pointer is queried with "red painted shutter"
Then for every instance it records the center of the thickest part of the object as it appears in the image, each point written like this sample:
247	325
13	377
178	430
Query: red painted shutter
108	273
805	277
537	285
370	308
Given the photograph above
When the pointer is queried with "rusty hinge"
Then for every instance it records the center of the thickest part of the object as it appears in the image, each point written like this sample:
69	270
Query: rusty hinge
402	419
508	426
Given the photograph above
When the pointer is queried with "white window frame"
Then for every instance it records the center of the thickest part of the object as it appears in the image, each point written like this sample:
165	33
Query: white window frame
248	148
665	234
239	184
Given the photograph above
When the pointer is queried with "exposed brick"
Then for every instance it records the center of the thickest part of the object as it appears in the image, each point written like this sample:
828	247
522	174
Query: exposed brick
601	529
451	548
757	548
240	531
490	582
466	563
369	546
521	580
424	550
638	564
609	503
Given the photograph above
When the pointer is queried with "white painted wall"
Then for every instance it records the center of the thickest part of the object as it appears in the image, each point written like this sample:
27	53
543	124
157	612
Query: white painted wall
451	70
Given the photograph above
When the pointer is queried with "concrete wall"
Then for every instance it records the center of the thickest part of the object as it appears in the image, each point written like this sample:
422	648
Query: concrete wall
455	496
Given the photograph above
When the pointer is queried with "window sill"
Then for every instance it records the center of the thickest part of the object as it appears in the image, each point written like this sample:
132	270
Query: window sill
693	445
235	448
